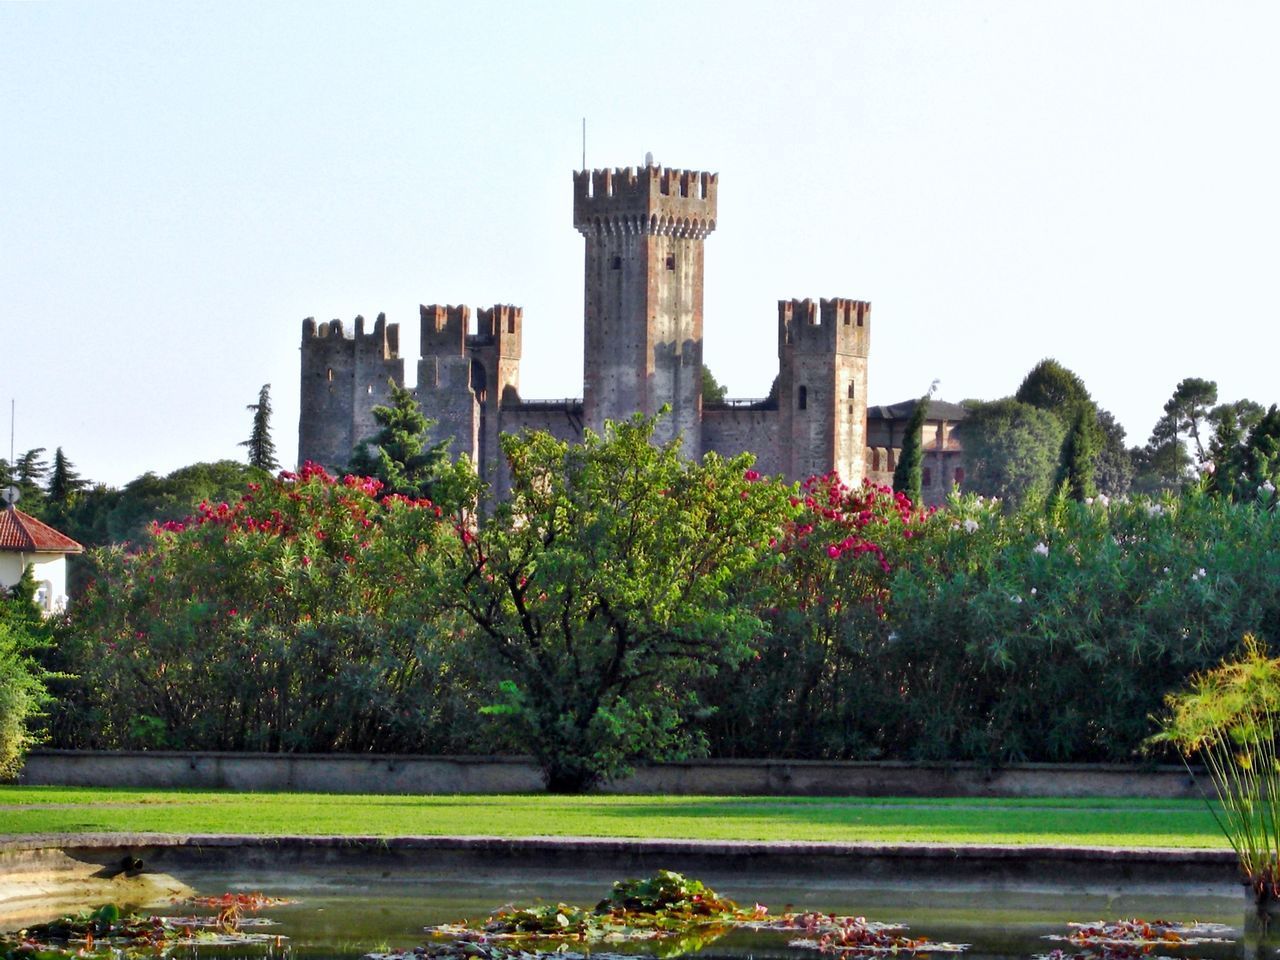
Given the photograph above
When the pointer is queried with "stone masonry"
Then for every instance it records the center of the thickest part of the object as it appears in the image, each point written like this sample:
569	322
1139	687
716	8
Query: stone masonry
644	231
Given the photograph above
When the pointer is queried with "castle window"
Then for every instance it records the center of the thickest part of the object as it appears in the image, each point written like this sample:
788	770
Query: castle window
511	323
369	389
852	389
615	263
671	261
926	477
802	398
329	375
959	475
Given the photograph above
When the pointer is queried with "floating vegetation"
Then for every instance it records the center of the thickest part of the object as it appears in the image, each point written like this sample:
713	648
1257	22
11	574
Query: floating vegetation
672	913
1144	933
108	933
248	902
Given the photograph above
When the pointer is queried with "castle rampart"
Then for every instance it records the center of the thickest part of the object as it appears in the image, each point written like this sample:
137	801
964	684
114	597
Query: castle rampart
643	232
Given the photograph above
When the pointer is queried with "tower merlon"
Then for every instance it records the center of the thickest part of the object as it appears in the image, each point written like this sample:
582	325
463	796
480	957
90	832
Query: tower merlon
384	340
444	328
837	324
653	199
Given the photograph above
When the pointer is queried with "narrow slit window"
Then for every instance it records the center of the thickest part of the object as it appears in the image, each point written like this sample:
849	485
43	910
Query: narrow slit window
802	398
926	477
671	261
329	375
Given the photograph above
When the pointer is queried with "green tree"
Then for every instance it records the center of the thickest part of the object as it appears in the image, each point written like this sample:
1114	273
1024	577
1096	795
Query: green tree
1113	468
29	474
712	390
1163	465
1051	386
1079	454
1262	454
262	449
23	692
1189	408
907	475
1011	449
609	579
401	453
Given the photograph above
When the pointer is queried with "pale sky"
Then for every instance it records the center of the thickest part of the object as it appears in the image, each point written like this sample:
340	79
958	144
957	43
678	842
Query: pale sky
183	183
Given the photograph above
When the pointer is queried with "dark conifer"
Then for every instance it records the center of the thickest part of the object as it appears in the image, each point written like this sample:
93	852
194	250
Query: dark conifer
907	475
262	449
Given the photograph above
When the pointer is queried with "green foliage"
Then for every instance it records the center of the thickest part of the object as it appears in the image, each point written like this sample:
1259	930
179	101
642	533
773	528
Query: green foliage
1079	454
1012	450
23	692
1189	408
1113	468
712	390
611	576
298	617
262	449
1003	636
907	474
1227	716
401	453
1051	386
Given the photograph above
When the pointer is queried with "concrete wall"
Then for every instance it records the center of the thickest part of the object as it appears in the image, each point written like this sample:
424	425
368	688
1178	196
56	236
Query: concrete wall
365	773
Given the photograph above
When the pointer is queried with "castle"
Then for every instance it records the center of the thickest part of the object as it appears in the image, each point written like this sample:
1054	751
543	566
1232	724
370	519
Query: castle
644	232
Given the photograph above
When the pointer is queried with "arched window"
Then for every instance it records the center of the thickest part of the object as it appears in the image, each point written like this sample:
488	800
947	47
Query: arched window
802	398
853	389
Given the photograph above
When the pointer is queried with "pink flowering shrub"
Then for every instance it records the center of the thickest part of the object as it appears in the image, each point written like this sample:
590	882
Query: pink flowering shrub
299	617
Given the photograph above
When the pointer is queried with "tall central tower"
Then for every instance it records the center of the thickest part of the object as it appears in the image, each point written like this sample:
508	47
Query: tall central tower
643	298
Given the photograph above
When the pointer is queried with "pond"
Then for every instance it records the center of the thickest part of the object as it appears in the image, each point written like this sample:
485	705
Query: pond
352	912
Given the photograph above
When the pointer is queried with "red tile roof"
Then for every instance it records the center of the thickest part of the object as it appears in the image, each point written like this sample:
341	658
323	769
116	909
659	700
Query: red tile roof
21	532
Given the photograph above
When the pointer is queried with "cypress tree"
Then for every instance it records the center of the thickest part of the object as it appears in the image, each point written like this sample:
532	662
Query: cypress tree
907	475
1079	454
262	449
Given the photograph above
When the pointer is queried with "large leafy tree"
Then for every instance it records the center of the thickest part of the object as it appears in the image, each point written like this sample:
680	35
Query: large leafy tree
262	449
1011	448
907	474
614	574
401	454
1051	386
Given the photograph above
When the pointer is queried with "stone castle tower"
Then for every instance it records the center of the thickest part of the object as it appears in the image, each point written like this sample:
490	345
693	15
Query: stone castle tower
642	317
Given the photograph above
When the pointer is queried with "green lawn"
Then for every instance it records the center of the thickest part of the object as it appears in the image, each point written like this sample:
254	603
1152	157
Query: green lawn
1075	822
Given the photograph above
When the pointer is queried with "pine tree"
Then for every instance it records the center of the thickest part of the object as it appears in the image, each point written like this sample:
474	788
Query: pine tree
907	474
64	482
400	454
262	449
28	476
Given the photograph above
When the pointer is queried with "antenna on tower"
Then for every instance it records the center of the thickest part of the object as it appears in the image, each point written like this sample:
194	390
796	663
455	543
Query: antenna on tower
584	143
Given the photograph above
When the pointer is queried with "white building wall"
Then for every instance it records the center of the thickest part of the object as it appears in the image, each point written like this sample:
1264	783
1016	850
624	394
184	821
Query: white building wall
49	570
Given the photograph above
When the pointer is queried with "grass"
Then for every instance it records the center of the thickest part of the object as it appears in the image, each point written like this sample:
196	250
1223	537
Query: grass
1062	822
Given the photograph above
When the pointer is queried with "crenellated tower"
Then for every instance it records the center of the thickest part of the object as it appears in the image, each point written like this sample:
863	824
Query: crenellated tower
642	307
343	378
822	386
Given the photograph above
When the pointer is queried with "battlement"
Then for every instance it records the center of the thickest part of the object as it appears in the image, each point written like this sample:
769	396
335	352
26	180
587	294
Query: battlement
653	199
499	321
444	329
384	340
839	325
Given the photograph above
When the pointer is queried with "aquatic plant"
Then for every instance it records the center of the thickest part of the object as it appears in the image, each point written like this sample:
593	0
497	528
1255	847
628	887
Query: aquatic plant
1227	715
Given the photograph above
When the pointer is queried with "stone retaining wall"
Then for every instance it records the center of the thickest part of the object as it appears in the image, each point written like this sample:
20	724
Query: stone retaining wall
370	773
